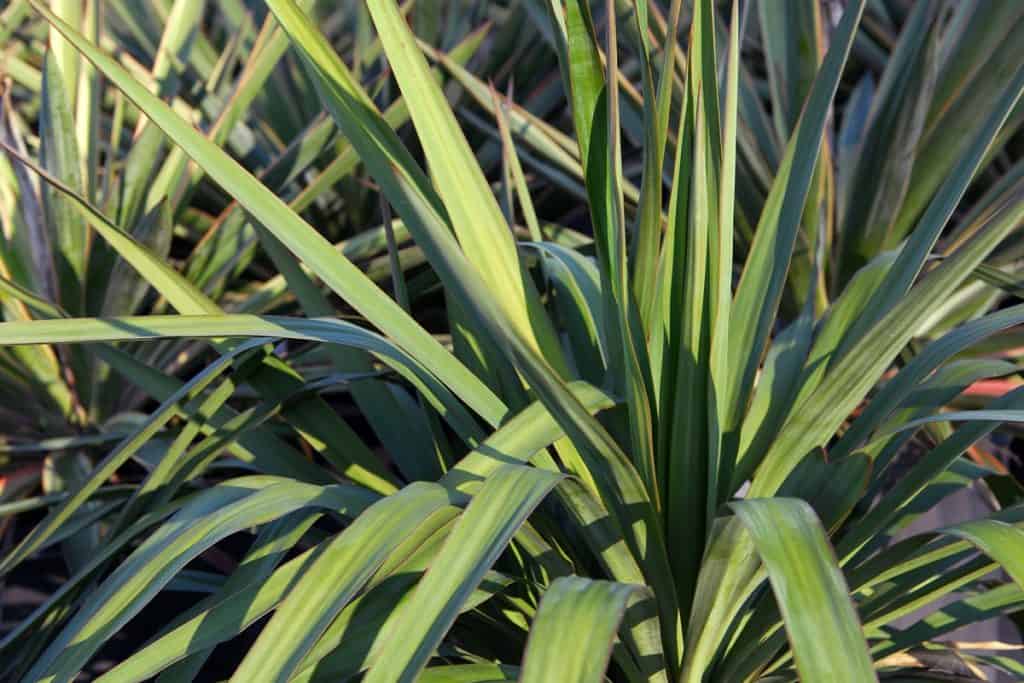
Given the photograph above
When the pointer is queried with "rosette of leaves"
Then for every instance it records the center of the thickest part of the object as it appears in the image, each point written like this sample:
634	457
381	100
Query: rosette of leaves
662	447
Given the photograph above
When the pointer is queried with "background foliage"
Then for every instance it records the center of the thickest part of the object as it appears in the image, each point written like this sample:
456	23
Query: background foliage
387	341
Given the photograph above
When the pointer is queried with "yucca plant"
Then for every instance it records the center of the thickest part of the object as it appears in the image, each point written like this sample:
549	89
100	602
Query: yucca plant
673	443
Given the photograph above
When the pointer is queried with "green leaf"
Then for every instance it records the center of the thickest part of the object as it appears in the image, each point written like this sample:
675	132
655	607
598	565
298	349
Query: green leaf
519	440
579	305
103	471
333	578
721	464
474	213
65	58
67	233
657	111
924	363
825	408
628	369
760	287
813	597
792	52
347	649
232	612
817	415
586	77
77	330
50	614
336	271
573	631
479	537
926	470
403	183
1005	599
126	287
1000	541
273	543
915	251
881	172
227	508
774	394
468	673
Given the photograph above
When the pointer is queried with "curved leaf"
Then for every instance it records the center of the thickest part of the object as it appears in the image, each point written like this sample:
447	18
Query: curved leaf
332	579
481	534
813	597
573	631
